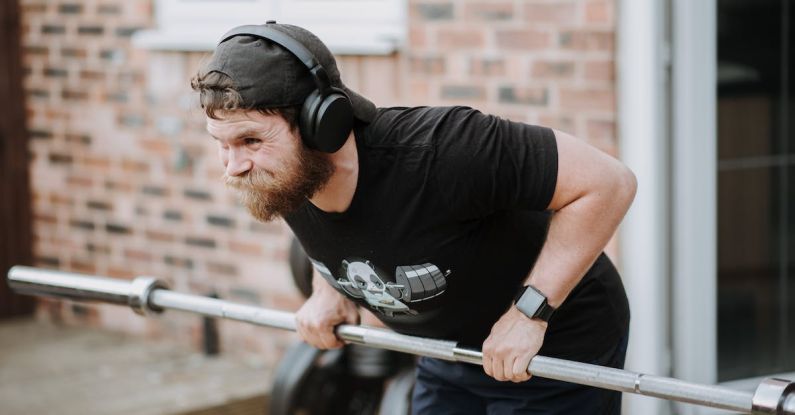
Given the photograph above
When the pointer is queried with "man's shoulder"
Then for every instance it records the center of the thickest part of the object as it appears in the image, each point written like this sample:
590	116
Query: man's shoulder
419	113
411	126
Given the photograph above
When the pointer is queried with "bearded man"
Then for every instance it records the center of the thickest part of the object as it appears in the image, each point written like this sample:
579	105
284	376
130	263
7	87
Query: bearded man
444	222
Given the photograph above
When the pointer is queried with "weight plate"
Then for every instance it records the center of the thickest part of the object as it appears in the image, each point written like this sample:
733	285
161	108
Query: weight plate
300	267
397	395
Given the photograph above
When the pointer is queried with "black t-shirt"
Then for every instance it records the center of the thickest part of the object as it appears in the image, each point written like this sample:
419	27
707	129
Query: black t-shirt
448	217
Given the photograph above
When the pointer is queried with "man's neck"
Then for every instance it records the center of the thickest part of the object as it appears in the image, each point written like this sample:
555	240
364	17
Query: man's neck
337	195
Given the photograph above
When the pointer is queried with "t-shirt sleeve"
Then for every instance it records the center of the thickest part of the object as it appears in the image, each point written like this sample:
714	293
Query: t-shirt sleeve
484	163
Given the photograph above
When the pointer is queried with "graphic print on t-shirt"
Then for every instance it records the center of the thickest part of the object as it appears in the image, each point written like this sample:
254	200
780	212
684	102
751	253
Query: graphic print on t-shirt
362	280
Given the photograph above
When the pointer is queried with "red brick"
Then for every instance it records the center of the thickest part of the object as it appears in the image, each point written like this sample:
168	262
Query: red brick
61	200
156	146
120	186
220	268
463	92
134	166
523	39
535	96
603	70
245	248
460	39
42	218
432	11
77	181
587	99
418	37
267	228
97	163
487	67
82	266
159	236
587	40
427	65
120	272
28	8
565	123
554	13
491	10
560	69
599	11
89	75
137	255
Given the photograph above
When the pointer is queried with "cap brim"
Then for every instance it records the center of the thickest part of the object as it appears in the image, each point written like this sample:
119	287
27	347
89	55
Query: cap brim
363	108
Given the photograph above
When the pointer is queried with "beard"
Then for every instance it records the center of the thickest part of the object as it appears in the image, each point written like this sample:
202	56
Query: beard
267	194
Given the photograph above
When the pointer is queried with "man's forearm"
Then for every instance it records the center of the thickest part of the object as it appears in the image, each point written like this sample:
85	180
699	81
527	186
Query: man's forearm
578	232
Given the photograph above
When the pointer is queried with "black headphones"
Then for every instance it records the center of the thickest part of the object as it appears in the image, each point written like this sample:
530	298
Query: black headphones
326	117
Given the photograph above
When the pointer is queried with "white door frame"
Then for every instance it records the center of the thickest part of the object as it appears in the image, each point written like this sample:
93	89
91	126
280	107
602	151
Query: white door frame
642	122
694	192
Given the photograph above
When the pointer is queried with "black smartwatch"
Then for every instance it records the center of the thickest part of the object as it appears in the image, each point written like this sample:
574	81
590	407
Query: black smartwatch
533	304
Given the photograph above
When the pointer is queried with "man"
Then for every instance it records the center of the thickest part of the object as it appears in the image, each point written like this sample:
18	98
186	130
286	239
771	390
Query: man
443	222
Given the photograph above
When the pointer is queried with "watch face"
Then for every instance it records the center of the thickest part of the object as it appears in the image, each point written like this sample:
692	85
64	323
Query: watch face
530	302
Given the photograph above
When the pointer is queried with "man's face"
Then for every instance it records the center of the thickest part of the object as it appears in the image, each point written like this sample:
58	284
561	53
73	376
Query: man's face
266	163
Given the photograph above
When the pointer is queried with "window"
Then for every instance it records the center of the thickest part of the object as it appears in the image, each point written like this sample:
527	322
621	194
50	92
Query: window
348	27
756	188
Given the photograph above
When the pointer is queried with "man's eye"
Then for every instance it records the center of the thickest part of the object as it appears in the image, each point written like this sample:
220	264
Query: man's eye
251	141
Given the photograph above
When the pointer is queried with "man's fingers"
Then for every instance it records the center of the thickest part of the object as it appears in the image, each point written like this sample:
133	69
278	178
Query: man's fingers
520	373
327	338
498	369
507	368
487	364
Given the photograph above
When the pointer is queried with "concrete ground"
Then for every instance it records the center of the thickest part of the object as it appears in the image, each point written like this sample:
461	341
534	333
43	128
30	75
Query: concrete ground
46	369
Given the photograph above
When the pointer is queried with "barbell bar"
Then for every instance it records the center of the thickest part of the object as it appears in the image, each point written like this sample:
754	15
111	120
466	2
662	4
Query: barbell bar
148	295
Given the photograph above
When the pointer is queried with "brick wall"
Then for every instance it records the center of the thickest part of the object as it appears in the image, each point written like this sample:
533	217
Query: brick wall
546	62
126	181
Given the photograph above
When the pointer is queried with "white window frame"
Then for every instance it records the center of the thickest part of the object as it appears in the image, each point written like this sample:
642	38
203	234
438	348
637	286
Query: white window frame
694	193
694	174
347	27
642	59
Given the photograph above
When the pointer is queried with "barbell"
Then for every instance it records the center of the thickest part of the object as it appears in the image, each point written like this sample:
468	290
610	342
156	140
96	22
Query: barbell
149	295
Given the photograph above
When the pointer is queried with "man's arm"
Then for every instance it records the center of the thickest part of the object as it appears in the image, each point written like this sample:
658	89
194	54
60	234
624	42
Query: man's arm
592	194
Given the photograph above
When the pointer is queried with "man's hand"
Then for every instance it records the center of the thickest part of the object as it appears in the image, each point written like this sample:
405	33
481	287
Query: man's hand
513	341
317	318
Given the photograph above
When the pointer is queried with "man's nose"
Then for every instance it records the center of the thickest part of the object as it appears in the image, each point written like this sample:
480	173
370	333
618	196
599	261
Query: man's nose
237	164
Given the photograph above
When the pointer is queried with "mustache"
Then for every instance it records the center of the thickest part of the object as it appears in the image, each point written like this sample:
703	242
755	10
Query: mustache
254	178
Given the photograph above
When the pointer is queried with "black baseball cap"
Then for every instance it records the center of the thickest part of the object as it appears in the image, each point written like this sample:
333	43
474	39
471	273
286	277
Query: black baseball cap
267	75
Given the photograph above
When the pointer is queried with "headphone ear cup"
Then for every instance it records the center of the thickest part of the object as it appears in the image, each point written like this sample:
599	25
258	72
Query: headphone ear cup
307	122
333	122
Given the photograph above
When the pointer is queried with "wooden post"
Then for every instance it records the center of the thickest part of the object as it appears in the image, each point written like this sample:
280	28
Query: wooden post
15	197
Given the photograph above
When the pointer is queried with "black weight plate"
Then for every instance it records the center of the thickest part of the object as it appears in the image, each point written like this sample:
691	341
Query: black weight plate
301	268
319	382
290	374
397	395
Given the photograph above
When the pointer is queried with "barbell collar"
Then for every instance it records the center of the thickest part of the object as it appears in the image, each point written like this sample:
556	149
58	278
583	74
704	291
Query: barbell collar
140	293
774	396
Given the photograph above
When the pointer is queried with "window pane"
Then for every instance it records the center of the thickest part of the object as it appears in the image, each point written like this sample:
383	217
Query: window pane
756	189
748	300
